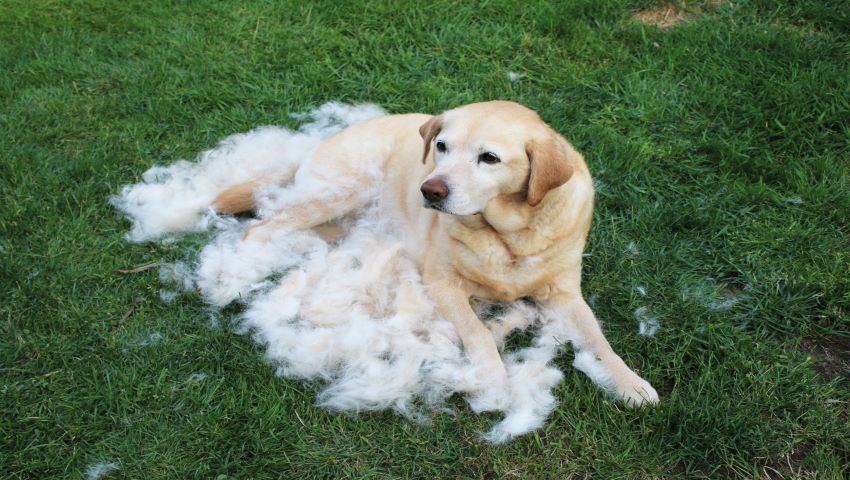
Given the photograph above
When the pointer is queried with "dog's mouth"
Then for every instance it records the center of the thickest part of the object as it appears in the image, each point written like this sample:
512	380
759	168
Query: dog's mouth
438	206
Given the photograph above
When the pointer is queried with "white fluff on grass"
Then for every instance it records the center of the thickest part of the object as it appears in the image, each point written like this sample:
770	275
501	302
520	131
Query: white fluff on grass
351	315
178	274
713	295
148	340
168	296
647	325
514	76
102	469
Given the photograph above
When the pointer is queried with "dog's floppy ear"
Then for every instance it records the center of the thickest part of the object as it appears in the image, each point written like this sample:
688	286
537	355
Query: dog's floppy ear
550	167
429	130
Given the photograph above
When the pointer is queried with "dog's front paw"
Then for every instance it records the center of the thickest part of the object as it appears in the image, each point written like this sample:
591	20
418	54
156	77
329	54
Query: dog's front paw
492	390
637	392
491	399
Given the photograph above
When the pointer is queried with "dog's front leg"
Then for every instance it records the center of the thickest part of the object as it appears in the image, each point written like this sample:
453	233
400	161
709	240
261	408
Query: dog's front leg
573	320
493	391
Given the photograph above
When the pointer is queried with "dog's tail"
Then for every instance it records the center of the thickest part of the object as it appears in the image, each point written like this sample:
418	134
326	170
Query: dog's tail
237	199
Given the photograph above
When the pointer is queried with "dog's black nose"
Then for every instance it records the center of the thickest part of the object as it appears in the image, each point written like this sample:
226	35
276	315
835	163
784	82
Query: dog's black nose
435	190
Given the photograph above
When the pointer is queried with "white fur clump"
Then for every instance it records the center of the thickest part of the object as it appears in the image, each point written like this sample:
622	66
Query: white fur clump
102	469
148	340
350	315
531	375
172	200
230	269
593	367
713	296
331	117
514	76
647	325
178	274
355	316
168	296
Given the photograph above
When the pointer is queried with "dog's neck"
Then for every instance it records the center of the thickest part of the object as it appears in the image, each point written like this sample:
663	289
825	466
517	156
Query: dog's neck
515	222
507	214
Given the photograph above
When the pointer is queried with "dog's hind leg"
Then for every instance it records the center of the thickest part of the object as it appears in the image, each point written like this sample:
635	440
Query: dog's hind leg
343	175
237	199
241	198
310	202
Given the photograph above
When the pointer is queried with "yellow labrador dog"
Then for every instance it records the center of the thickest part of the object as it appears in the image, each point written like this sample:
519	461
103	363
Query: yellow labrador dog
497	205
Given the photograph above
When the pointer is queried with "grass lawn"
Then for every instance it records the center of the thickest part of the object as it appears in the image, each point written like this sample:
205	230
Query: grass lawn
720	145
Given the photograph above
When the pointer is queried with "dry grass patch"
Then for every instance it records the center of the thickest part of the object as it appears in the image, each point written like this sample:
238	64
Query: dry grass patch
664	16
792	26
668	15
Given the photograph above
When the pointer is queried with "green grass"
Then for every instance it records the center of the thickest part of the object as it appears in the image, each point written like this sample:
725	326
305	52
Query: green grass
721	146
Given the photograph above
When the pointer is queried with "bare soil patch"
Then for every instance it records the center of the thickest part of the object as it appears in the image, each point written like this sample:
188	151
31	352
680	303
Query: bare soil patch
832	354
789	466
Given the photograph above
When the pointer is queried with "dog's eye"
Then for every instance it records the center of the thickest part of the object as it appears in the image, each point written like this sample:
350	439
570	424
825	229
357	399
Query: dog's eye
489	158
441	146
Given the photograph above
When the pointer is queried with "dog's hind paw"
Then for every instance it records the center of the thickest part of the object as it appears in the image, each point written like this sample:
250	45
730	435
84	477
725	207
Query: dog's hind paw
265	231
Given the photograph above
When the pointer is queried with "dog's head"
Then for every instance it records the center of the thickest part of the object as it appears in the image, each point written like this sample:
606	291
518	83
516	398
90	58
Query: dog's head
490	149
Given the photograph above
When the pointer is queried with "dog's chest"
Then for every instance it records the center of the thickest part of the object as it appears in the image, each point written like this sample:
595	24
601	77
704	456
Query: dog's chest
487	260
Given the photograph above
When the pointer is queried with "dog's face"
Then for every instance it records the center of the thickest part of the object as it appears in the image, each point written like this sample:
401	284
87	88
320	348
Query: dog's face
485	150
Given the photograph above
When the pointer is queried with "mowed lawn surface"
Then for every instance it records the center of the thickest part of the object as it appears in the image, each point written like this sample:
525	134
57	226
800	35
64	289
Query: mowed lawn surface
720	149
